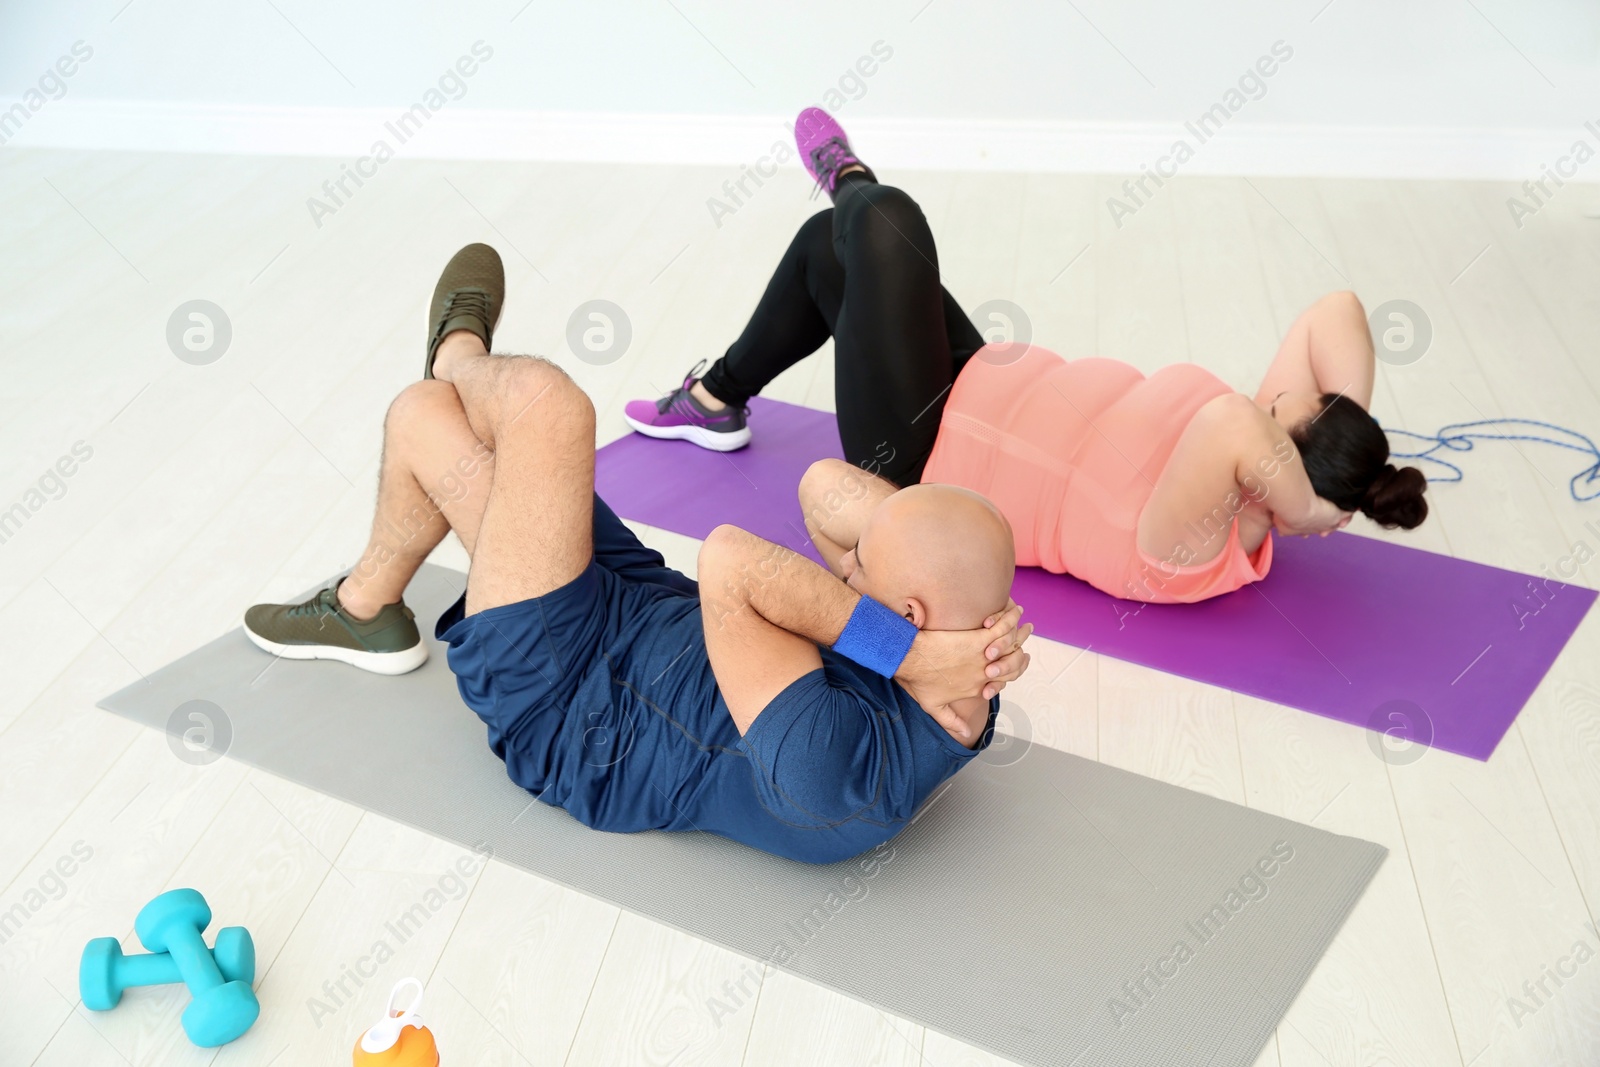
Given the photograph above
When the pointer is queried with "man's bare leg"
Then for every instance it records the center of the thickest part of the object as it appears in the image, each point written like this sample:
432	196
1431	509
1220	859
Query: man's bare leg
435	477
537	527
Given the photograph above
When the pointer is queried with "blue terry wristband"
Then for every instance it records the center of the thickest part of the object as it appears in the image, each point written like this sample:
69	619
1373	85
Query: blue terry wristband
876	637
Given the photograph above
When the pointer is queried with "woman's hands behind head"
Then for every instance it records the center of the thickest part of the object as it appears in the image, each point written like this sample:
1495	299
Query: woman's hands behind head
1325	518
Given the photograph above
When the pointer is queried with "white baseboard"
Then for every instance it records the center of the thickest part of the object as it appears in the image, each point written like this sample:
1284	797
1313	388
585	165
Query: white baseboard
1241	147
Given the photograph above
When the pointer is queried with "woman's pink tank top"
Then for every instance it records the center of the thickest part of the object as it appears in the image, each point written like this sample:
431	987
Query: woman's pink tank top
1070	452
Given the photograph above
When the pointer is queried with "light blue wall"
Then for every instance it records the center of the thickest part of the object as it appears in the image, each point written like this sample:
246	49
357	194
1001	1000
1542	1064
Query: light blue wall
1446	63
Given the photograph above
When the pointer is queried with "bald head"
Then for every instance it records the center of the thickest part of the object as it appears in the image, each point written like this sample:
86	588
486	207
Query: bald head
937	550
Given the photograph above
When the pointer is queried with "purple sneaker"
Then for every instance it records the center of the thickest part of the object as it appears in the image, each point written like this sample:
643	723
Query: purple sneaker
824	148
679	416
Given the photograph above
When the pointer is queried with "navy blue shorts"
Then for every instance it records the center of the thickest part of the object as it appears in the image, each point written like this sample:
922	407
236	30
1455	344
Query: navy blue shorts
600	698
573	685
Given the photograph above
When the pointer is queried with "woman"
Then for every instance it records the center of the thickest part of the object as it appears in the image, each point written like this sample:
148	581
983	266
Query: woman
1163	489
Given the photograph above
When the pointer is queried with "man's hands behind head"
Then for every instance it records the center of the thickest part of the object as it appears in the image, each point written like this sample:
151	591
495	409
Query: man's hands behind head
947	667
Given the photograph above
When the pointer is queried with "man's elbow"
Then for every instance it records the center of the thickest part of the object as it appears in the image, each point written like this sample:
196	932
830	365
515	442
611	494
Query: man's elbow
718	545
727	580
718	557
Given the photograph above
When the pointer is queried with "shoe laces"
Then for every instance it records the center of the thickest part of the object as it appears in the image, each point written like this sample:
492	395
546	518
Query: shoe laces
828	158
326	600
471	301
689	379
666	402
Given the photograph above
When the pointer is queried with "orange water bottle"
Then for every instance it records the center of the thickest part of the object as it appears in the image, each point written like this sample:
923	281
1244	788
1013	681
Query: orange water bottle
400	1039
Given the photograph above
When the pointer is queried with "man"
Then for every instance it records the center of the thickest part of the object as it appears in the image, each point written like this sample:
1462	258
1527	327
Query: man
616	689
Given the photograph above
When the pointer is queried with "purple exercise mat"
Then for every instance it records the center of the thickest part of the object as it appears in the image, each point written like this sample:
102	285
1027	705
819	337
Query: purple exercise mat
1433	649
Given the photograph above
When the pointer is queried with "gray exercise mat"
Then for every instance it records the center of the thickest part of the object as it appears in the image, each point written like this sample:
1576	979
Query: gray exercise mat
1045	907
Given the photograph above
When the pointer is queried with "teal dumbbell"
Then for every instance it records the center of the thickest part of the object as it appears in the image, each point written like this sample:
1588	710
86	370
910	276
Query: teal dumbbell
221	1010
105	973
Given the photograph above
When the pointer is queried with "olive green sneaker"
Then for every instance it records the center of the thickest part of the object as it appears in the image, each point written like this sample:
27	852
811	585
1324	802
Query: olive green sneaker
469	296
388	643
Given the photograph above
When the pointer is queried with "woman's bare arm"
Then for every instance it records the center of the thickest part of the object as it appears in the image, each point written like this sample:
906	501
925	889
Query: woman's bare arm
1327	350
836	498
1233	463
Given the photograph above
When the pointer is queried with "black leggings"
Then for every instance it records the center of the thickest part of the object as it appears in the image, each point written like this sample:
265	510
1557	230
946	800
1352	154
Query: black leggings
866	273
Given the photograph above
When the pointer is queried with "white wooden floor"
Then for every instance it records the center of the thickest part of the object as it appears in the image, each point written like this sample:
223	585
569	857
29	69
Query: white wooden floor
210	487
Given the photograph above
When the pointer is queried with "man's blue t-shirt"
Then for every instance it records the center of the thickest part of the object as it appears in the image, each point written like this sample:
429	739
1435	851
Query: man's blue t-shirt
600	698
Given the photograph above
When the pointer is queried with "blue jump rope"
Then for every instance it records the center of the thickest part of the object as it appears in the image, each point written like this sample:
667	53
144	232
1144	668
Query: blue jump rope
1463	436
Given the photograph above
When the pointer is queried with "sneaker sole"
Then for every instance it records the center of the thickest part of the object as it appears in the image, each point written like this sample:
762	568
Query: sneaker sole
716	441
402	662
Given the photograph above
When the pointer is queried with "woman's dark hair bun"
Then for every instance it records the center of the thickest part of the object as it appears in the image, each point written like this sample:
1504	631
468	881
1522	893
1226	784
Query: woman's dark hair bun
1395	498
1346	454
